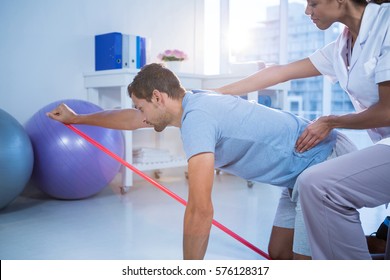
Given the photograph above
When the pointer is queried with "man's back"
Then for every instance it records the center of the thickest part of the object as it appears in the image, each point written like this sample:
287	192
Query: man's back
249	140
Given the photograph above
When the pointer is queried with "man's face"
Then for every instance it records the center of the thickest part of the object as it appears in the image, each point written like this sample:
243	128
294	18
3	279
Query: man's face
153	112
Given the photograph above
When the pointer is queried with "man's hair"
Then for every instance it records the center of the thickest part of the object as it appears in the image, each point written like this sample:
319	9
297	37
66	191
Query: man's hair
155	76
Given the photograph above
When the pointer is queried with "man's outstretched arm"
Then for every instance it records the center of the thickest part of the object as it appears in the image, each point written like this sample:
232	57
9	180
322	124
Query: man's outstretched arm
124	119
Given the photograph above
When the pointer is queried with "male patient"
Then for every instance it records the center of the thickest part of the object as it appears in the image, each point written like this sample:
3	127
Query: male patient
225	132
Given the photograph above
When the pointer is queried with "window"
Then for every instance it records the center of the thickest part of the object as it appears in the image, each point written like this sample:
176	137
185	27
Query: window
248	24
257	32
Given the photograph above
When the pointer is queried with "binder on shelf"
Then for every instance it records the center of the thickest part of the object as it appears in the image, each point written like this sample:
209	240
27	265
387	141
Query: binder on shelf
116	51
108	51
133	54
141	52
125	51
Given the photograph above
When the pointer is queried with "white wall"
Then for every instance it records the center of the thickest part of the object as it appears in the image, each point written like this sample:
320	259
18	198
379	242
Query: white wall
47	45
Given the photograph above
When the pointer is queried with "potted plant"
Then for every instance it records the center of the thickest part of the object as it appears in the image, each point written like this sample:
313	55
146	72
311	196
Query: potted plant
172	59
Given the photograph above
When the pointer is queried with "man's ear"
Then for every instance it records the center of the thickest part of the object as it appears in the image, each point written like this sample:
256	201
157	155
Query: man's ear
157	97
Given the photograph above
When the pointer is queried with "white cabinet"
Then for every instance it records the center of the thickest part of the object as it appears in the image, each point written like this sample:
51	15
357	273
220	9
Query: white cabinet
108	89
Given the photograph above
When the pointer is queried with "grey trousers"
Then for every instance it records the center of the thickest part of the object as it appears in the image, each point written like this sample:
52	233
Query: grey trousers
330	193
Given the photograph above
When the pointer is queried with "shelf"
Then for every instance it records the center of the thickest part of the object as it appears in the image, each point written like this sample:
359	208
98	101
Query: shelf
176	162
123	77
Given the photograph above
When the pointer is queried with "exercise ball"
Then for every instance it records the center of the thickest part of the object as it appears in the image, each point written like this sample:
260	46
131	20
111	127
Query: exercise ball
66	166
16	158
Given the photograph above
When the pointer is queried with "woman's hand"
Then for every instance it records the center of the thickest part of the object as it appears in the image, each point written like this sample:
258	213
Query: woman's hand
313	134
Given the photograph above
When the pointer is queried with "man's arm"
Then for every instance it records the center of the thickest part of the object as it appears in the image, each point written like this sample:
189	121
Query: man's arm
125	119
199	211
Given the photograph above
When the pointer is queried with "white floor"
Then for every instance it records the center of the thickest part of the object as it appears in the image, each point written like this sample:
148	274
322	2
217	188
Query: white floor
143	224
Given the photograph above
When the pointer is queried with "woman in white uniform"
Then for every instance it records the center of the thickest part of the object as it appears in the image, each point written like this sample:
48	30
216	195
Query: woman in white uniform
359	60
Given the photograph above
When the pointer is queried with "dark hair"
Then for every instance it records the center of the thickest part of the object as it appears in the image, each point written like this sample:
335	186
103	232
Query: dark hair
155	76
374	1
365	2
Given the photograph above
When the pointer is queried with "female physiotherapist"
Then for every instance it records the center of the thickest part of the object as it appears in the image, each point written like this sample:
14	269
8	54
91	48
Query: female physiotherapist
359	60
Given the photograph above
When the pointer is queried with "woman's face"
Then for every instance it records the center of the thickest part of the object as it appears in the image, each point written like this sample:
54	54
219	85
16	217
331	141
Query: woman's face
323	13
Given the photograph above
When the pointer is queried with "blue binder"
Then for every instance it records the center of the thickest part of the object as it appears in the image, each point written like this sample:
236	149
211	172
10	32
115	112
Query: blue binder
108	51
141	52
116	51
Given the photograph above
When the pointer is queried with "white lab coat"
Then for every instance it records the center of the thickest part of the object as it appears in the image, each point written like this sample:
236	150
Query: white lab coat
369	63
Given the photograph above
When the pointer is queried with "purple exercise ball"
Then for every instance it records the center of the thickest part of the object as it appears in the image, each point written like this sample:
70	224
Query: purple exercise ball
66	166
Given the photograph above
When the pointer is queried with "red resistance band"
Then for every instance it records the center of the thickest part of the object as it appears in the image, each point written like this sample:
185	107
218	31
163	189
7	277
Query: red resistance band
164	189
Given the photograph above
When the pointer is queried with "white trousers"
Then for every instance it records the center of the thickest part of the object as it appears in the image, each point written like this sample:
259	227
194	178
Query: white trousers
330	193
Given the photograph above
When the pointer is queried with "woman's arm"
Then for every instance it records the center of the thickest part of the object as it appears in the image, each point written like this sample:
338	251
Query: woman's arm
270	76
378	115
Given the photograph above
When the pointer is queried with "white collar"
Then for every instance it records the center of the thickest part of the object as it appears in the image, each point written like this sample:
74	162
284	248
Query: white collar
369	16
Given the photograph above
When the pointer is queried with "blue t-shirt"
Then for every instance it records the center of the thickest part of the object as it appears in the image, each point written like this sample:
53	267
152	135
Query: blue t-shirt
248	140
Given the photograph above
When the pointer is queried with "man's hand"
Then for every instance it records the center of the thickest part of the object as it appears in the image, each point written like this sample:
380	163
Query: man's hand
63	114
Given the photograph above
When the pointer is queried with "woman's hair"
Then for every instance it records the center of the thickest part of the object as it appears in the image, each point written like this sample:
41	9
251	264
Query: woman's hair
374	1
365	2
155	76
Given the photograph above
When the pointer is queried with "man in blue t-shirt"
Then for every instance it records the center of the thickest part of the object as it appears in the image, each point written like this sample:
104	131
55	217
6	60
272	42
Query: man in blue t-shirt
247	139
225	132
